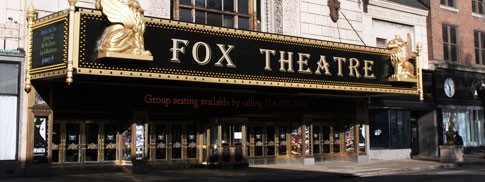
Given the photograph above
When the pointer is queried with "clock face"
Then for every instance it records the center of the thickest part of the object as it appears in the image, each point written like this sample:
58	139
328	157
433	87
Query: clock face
449	87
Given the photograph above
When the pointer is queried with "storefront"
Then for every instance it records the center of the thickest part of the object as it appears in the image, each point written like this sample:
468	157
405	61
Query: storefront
204	95
459	106
402	127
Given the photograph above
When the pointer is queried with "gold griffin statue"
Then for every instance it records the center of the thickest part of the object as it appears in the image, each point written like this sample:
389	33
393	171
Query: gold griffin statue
124	36
400	54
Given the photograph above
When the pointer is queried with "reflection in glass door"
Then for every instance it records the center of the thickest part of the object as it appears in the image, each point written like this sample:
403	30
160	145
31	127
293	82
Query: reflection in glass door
336	139
176	144
72	142
91	145
213	145
270	141
296	140
56	142
258	141
110	142
350	139
161	141
191	144
326	139
231	140
126	145
282	150
316	139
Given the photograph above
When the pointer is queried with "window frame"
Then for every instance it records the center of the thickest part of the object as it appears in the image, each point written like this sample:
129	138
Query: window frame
476	6
479	47
251	16
19	64
447	3
381	42
449	43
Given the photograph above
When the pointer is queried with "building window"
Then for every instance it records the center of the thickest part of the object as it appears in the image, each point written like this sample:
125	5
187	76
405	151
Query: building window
380	42
450	43
9	99
477	6
450	3
223	13
479	47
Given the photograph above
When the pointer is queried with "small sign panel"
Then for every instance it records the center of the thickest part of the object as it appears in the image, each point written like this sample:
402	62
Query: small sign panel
48	45
40	139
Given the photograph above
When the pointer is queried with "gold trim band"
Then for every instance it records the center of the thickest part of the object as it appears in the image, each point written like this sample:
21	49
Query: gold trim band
337	86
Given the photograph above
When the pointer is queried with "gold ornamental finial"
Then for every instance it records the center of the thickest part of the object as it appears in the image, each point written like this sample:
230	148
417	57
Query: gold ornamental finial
419	48
30	13
72	3
28	61
123	38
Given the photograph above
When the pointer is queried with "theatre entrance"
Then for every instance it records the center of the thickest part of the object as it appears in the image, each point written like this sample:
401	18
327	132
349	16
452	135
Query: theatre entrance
223	143
87	141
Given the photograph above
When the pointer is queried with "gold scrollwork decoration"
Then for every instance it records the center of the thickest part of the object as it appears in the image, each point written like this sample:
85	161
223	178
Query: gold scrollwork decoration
161	145
192	145
111	146
72	146
177	145
92	146
123	38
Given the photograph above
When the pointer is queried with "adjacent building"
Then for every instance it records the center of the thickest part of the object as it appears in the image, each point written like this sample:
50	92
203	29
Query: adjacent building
456	56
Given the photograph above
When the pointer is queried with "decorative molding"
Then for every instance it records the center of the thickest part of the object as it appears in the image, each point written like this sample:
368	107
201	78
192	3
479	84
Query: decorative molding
161	145
160	8
398	7
449	8
391	15
274	16
291	18
111	146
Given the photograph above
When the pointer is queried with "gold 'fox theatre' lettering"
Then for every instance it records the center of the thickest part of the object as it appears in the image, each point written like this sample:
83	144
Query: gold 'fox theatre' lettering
286	60
179	46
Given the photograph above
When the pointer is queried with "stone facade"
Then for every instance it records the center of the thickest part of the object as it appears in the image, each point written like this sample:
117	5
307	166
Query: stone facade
316	23
388	19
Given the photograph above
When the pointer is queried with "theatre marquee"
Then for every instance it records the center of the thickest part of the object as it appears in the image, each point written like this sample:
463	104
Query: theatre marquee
67	44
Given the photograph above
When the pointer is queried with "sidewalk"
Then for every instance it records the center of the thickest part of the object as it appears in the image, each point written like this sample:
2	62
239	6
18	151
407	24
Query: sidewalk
324	171
377	168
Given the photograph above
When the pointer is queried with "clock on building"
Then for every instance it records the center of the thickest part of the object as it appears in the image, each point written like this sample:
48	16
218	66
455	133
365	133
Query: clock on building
449	87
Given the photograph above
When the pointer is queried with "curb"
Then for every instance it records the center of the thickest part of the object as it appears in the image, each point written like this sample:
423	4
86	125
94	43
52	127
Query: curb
415	169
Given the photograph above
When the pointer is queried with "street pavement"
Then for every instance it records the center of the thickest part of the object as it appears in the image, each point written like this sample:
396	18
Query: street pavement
322	171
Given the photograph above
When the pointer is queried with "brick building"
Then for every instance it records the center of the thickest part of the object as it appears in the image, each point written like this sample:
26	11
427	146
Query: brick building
456	43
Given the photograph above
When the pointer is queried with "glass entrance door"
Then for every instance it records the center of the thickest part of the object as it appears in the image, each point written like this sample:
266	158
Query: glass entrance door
85	141
91	146
231	143
109	142
72	142
223	143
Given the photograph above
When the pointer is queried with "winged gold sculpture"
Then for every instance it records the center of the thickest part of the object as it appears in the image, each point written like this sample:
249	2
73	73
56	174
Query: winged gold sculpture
400	54
123	38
